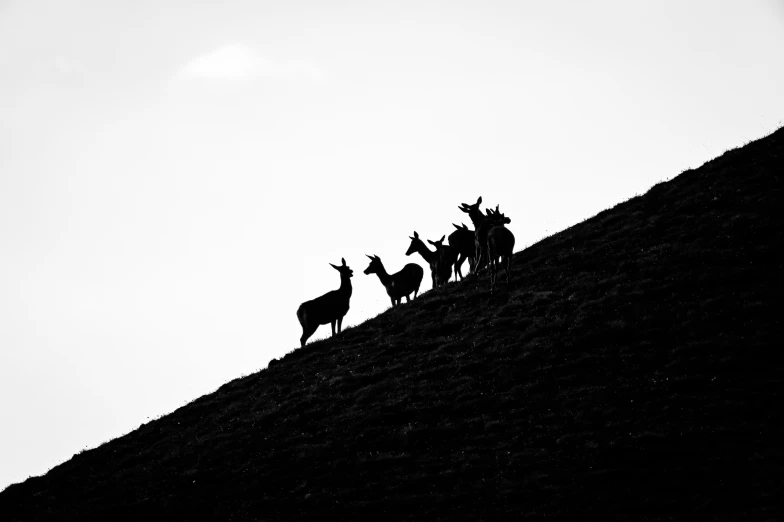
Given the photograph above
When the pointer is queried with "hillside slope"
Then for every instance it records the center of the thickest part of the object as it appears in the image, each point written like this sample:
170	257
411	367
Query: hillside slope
632	369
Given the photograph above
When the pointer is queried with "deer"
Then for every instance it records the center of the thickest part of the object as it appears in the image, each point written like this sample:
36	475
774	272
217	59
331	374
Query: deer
447	258
399	284
500	242
328	308
492	218
462	240
438	275
478	219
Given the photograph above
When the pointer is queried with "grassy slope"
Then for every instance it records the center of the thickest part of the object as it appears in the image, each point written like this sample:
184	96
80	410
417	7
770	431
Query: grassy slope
629	370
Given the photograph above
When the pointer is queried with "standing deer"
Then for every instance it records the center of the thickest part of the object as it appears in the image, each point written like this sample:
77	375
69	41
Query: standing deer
462	240
399	284
491	220
478	219
447	258
328	308
500	242
431	258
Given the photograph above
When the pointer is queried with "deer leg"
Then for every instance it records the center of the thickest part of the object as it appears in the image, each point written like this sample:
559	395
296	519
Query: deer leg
492	279
306	333
340	324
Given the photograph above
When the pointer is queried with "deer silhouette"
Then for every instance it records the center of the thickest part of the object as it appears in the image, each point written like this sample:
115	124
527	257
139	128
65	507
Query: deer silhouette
399	284
480	234
492	219
500	242
447	259
462	240
431	258
328	308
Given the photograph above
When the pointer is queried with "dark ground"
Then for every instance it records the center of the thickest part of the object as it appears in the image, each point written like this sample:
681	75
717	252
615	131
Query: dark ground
632	370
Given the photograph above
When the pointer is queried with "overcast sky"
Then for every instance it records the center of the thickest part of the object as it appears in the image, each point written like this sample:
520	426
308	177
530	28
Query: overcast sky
175	176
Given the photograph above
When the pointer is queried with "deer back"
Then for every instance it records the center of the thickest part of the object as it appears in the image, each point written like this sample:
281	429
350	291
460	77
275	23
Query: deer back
462	240
500	241
406	281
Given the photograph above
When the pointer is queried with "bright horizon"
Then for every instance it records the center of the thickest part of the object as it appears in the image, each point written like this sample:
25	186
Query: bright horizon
176	179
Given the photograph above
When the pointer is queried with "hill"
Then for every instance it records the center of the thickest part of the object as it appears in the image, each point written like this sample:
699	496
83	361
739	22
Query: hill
630	370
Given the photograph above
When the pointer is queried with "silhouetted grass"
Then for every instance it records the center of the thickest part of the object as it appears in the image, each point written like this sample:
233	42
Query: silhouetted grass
631	370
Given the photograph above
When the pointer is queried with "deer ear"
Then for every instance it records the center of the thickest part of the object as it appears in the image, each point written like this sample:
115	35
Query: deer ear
479	201
442	238
416	236
496	208
344	261
335	267
431	242
369	257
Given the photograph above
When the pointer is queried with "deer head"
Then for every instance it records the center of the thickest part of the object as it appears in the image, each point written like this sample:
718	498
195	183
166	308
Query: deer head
343	269
375	265
499	219
469	209
438	243
414	242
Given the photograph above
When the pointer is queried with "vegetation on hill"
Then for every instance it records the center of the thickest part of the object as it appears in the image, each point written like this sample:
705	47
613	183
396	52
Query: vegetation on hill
632	369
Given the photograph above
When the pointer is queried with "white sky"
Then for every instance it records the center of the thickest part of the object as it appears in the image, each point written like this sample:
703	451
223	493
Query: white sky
175	176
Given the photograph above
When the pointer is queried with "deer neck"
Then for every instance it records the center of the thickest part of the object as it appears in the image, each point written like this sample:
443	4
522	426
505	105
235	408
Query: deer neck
477	218
426	254
383	276
345	285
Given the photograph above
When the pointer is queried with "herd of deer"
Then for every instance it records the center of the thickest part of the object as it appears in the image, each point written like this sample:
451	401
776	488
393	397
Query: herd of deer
489	244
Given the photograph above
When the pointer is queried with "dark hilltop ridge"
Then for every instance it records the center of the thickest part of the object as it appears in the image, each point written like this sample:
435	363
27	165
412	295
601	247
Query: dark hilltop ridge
632	370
